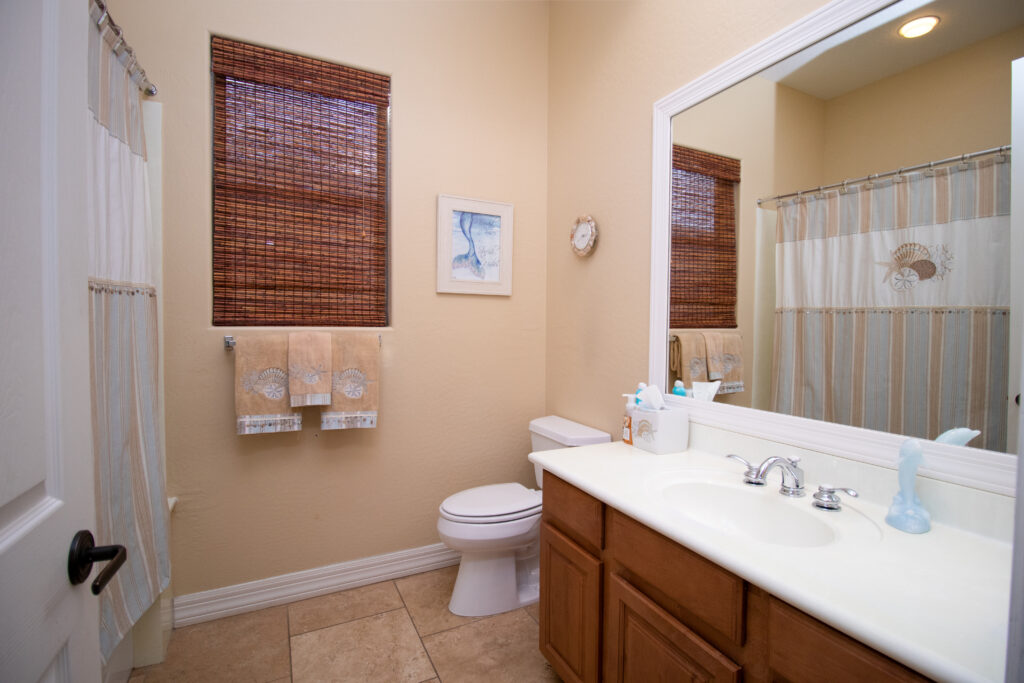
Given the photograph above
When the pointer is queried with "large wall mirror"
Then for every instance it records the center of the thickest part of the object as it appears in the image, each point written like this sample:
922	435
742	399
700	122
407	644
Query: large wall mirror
872	221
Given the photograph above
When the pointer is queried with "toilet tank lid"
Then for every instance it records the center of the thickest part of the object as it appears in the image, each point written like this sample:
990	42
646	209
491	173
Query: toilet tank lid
567	432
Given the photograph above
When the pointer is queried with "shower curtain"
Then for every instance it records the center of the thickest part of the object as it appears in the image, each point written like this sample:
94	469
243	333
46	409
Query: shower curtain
130	498
892	303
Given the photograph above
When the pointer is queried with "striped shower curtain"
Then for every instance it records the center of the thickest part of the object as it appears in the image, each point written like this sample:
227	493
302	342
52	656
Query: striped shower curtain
130	497
892	303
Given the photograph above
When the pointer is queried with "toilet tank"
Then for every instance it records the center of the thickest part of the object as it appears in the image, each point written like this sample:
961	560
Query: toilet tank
553	431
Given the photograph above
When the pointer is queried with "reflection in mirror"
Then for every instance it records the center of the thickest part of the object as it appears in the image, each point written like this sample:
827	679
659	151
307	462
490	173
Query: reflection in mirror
876	290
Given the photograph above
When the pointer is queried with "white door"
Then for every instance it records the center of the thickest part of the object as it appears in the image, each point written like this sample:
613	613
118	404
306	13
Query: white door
48	628
1015	646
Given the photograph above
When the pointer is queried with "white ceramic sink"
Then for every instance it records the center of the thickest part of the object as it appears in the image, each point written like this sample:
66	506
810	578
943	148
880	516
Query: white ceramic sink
721	501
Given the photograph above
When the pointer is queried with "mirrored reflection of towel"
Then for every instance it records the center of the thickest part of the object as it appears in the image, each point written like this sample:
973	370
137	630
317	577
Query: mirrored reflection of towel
309	368
261	386
690	363
725	360
355	386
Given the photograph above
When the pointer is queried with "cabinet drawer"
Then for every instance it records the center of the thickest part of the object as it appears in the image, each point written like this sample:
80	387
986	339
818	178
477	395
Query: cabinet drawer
576	513
700	587
801	648
570	607
646	643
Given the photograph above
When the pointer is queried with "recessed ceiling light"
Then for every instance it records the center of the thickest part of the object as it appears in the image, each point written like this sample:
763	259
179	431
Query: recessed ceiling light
918	27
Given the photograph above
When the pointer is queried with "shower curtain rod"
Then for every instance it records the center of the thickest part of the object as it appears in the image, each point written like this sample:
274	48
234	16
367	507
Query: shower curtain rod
120	47
875	176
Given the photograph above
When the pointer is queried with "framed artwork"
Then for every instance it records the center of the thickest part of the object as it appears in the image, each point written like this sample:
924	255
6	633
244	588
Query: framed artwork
474	246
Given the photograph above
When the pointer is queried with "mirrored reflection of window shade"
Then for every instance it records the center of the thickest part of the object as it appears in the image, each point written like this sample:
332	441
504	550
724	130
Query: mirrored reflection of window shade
702	280
299	190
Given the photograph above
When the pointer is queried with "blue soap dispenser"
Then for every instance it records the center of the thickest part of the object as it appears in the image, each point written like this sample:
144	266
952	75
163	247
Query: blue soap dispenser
679	389
906	512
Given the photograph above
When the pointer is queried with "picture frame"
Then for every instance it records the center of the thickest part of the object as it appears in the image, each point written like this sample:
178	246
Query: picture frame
474	246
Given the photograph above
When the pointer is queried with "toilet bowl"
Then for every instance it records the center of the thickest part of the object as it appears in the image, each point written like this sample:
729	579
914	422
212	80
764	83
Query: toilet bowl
497	530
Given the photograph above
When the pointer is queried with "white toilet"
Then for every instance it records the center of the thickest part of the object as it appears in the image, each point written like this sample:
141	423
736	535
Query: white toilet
497	530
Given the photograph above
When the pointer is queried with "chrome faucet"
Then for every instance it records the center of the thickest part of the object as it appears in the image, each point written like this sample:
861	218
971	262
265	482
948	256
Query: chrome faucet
792	475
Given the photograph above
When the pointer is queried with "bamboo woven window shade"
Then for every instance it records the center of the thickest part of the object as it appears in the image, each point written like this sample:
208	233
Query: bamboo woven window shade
300	225
702	285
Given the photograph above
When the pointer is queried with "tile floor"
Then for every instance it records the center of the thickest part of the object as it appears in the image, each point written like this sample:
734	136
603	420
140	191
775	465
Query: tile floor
397	630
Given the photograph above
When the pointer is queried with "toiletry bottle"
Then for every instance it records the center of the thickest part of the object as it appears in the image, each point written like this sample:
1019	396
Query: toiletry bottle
627	419
678	388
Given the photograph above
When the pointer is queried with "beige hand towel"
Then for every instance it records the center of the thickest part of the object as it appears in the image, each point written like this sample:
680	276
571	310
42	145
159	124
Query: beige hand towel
261	386
692	358
355	390
309	368
725	360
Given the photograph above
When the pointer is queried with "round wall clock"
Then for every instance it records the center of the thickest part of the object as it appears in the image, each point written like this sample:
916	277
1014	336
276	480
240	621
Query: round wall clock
583	235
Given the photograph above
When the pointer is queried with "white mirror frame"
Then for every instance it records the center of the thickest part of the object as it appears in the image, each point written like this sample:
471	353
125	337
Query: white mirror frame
986	470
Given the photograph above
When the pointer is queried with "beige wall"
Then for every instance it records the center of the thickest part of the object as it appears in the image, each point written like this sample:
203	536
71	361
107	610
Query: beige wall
739	123
610	61
776	133
462	375
544	105
956	104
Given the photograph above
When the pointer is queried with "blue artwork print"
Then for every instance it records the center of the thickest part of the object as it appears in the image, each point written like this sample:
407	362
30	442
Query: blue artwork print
476	246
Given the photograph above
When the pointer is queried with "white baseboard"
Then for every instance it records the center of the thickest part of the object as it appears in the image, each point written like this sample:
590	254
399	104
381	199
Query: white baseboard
278	590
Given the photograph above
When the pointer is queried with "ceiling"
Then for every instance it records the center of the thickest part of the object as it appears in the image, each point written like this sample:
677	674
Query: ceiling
872	49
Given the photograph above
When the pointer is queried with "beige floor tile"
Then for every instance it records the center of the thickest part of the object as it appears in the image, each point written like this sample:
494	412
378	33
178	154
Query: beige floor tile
247	647
534	611
337	608
426	596
384	647
496	649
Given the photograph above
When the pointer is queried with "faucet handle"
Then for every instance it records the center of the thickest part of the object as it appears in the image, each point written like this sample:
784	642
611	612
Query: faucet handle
826	498
750	476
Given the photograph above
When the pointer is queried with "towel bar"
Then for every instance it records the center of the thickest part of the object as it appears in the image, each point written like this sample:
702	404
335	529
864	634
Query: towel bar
229	342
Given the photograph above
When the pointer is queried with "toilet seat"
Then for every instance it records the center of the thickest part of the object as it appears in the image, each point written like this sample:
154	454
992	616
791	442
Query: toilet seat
491	504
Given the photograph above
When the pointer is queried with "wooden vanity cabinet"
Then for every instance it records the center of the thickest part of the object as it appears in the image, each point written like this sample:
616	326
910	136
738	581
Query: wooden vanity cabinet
619	602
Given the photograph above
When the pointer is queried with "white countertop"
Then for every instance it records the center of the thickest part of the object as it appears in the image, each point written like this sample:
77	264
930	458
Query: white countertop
937	602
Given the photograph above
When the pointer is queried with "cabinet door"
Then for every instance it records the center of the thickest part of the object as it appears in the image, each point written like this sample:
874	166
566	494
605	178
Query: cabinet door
570	607
801	648
644	643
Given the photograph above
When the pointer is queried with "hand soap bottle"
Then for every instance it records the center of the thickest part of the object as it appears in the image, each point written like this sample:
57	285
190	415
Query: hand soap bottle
627	420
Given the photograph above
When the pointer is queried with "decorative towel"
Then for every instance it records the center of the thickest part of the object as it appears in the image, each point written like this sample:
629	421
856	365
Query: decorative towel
309	368
355	388
725	360
690	358
261	386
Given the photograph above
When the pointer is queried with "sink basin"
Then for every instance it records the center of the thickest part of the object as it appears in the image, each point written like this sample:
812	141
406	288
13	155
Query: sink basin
719	501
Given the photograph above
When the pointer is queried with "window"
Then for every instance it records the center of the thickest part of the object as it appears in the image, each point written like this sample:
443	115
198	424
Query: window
300	152
703	259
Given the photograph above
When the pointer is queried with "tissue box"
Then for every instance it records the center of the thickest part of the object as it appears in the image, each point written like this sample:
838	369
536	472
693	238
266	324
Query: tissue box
661	431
